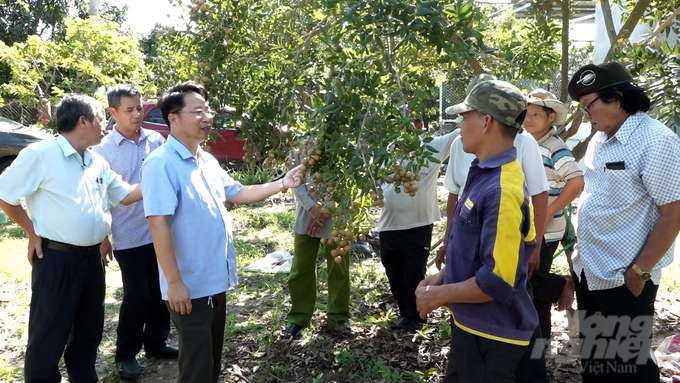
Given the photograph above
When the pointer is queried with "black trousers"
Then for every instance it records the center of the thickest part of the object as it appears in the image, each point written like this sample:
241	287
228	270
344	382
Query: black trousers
475	359
531	367
201	338
67	309
547	287
404	254
616	325
144	318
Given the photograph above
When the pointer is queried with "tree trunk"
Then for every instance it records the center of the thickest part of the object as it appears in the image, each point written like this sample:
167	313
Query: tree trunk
564	93
624	33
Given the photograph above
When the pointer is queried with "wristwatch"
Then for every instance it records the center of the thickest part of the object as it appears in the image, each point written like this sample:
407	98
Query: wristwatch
282	187
645	276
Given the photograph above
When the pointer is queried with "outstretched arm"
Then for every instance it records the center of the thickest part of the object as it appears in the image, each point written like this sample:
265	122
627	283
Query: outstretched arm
255	193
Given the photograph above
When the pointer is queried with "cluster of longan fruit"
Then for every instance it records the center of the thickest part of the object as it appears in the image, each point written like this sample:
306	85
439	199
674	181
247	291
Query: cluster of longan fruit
405	179
198	5
310	153
253	155
343	239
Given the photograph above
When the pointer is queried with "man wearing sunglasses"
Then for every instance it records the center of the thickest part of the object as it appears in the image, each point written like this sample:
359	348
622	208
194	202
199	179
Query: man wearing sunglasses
628	219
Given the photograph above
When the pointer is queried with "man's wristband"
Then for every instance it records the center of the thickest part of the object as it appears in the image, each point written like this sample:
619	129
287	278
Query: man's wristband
282	187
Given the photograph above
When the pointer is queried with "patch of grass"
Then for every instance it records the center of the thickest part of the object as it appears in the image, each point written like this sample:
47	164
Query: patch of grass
11	374
670	279
281	371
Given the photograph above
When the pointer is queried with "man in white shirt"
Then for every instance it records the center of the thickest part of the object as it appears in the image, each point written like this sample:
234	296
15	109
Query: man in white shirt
68	190
405	228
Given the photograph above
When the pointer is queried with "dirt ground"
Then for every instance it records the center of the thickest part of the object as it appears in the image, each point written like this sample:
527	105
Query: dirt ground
244	361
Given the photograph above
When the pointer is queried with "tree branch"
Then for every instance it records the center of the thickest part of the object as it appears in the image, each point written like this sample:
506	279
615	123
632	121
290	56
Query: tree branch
629	25
608	21
661	27
474	64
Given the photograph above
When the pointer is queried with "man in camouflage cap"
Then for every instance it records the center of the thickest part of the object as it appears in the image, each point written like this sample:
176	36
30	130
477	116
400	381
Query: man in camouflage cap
490	241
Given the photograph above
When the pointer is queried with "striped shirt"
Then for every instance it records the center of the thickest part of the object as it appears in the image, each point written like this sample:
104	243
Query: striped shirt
491	239
627	176
560	166
129	227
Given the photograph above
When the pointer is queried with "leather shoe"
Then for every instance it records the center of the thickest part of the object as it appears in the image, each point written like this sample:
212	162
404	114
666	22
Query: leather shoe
293	329
128	369
166	352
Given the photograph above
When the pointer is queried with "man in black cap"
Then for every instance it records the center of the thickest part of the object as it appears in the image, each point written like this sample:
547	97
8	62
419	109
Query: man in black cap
629	217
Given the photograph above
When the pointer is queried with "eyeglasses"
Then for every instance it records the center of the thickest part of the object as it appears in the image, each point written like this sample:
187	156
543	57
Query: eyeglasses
199	113
586	109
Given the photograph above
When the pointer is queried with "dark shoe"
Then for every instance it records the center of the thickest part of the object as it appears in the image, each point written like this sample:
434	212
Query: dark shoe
340	328
293	329
167	352
128	369
402	322
344	325
417	325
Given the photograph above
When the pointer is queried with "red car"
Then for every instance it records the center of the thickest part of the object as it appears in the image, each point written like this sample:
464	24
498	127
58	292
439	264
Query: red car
224	143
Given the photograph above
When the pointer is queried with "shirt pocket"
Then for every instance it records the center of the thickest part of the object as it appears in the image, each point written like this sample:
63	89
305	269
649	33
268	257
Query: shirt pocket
465	235
622	186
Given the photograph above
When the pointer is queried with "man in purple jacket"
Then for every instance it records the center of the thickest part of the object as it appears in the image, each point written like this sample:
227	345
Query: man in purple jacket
490	241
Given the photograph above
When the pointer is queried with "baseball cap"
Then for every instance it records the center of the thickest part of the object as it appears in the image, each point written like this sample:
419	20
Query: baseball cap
499	99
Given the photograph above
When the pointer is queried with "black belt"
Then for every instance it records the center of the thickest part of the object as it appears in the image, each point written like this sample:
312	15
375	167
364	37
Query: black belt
66	248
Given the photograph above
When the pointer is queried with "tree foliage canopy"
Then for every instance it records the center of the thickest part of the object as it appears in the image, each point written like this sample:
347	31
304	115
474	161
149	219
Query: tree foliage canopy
92	55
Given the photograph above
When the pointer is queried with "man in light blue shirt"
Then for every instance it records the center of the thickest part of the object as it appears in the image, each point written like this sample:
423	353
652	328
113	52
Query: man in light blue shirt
143	319
191	229
68	191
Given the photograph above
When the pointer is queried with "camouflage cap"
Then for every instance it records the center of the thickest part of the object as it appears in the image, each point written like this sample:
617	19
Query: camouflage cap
478	79
499	99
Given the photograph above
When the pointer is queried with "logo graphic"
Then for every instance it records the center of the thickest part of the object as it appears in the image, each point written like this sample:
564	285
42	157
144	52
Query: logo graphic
587	78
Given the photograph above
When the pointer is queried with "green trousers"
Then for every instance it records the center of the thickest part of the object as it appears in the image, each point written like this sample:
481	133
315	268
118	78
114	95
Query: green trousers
303	285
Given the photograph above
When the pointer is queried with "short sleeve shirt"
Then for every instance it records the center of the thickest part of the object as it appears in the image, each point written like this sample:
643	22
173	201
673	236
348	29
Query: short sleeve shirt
528	155
560	166
193	192
68	197
627	176
129	227
401	211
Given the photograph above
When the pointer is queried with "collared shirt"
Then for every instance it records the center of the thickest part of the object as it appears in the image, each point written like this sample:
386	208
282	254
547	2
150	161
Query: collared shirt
193	193
129	226
560	166
67	197
401	211
491	239
627	176
528	155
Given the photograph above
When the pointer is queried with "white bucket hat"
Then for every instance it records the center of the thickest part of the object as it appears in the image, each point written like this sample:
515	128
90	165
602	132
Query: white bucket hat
542	97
